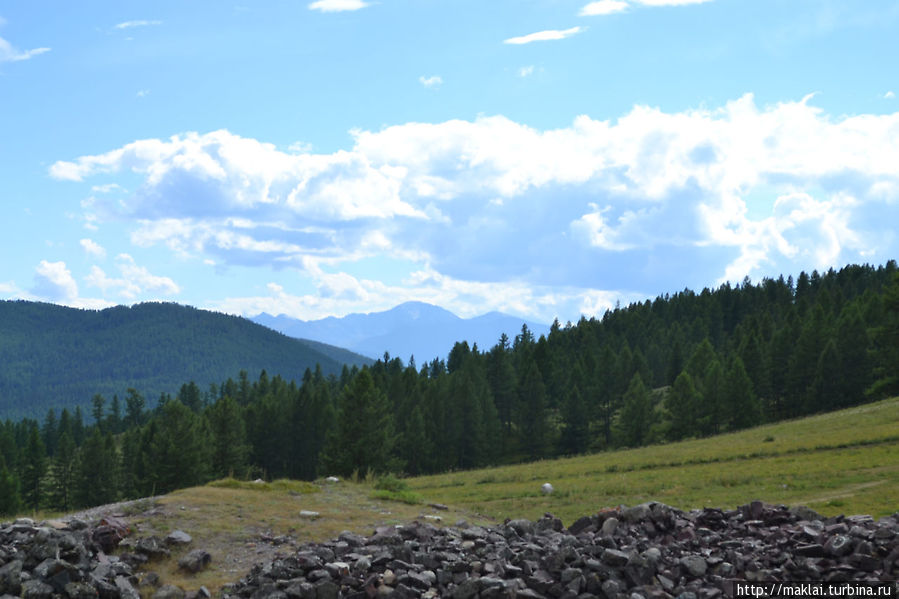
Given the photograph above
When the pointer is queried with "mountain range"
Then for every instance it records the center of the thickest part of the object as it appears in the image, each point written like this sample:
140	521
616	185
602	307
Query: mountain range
411	329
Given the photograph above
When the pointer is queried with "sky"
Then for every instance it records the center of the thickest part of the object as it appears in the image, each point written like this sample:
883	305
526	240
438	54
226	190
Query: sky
544	158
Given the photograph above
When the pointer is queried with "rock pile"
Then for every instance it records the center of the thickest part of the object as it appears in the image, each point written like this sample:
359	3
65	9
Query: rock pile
650	551
69	560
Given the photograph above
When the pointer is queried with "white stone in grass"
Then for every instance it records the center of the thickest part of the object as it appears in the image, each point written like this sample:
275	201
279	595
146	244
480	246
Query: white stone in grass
309	514
547	488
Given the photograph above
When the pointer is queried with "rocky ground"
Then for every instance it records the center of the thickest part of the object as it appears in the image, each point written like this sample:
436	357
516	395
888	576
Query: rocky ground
650	551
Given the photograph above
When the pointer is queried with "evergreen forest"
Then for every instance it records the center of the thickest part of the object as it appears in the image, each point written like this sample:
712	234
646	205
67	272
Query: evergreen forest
683	365
54	356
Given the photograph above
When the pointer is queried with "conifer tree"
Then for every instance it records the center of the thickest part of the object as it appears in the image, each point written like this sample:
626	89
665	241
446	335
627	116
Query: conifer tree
576	431
683	405
63	470
98	402
10	501
532	402
177	449
711	396
229	451
96	473
34	465
886	345
636	413
741	403
363	438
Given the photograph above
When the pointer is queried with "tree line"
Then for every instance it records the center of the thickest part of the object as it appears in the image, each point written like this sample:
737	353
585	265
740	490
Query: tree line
685	365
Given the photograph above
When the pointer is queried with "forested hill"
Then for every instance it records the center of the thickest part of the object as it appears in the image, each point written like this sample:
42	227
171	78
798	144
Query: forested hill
54	357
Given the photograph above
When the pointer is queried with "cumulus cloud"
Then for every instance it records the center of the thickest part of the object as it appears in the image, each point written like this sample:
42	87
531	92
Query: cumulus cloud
134	280
526	71
889	95
10	54
53	281
544	36
432	81
546	219
603	7
93	248
337	5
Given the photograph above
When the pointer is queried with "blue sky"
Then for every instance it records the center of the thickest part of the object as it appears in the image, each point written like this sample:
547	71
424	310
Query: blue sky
546	158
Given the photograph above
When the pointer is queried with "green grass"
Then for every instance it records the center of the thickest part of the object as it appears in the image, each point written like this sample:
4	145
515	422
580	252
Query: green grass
841	462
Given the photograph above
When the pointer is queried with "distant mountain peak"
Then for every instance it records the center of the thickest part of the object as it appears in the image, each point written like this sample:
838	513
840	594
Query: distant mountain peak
410	328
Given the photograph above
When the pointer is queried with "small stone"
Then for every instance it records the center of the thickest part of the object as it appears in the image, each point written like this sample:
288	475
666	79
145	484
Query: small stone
178	537
169	591
309	514
547	489
195	560
695	565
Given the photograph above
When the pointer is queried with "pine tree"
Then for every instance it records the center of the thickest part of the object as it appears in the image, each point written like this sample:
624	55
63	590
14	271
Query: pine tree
741	404
576	432
886	345
34	465
63	470
10	502
711	398
178	448
229	447
96	473
853	347
50	432
98	402
134	408
363	437
636	413
827	383
532	402
683	405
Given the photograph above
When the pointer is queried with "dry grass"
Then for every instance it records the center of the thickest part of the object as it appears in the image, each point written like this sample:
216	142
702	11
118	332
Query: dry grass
239	522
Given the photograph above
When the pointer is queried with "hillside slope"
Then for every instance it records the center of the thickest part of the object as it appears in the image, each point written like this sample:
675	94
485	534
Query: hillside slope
53	356
843	462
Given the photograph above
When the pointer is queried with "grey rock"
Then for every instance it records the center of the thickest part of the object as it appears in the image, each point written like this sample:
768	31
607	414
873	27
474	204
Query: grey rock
178	537
195	560
169	591
80	590
36	589
694	565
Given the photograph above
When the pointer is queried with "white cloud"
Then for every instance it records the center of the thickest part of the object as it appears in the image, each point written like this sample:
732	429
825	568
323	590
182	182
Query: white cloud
338	5
526	71
432	81
143	93
492	206
603	7
889	95
134	24
93	248
53	281
134	280
545	36
9	54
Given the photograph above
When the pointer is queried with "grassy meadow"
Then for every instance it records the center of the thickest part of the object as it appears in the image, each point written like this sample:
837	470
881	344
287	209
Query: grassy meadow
839	462
842	462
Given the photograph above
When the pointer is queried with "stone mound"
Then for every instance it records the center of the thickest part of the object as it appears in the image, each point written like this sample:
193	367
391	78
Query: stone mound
650	551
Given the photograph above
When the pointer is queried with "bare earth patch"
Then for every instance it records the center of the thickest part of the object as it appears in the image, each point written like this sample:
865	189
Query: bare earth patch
251	523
